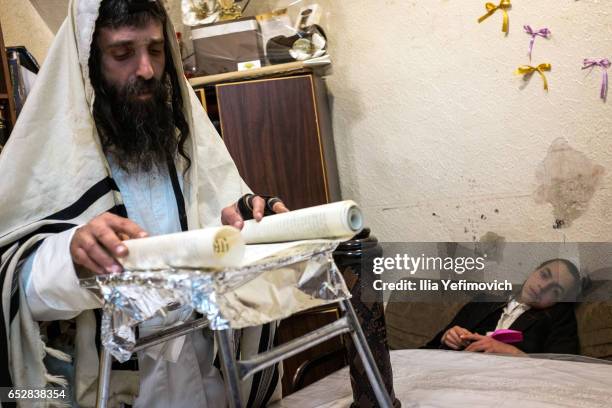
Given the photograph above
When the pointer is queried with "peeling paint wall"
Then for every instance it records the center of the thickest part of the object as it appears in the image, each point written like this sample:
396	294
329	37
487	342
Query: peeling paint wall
437	138
568	180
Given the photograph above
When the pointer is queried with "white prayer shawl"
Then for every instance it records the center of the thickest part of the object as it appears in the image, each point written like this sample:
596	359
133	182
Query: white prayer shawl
54	176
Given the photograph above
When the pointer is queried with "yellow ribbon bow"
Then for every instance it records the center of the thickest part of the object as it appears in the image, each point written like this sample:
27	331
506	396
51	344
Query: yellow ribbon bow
528	70
504	5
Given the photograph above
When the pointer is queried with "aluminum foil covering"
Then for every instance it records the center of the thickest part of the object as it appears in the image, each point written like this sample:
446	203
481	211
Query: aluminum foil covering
272	289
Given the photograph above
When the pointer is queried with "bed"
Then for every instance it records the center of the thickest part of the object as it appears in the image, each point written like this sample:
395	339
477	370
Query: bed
439	378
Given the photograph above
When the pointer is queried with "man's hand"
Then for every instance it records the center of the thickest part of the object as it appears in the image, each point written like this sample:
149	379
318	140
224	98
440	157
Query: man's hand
453	337
231	216
97	244
488	344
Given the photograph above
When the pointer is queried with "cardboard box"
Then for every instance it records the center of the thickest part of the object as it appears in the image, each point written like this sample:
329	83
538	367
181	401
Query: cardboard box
227	46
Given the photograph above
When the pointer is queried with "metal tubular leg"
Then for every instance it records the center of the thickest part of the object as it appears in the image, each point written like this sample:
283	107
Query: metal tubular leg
171	333
106	360
224	339
279	353
230	366
376	381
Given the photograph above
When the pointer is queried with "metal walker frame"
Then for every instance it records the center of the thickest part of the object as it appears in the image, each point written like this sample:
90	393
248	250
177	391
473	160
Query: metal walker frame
236	370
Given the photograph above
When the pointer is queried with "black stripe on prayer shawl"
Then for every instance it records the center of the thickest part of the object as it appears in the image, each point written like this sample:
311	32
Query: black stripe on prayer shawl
88	198
237	337
44	229
14	306
178	194
258	380
48	228
271	387
96	192
275	376
62	226
119	210
14	301
263	346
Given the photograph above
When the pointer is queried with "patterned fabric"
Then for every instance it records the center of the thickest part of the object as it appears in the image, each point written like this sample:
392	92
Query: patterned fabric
353	257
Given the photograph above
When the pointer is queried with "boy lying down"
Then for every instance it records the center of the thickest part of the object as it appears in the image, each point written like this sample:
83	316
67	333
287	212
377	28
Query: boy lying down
541	310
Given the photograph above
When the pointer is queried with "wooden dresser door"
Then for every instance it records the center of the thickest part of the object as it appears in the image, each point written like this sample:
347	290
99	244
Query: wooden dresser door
278	132
271	128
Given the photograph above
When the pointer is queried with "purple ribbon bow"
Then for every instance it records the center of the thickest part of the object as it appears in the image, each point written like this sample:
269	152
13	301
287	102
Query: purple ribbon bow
603	63
543	32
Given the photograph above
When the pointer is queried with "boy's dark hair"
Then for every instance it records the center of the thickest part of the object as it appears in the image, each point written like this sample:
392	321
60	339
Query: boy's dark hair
136	13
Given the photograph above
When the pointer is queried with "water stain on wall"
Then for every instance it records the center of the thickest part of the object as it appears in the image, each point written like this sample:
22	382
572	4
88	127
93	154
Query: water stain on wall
492	246
567	179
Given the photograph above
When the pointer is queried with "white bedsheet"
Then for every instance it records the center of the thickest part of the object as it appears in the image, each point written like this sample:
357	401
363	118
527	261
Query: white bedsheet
438	378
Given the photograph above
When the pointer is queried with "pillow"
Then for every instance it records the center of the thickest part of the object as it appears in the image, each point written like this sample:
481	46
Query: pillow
595	329
413	324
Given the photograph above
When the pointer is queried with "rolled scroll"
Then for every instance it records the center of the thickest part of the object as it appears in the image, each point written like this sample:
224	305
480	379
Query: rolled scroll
341	220
204	248
223	247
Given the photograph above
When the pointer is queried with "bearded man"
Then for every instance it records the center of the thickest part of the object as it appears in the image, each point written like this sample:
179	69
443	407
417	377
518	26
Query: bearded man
112	144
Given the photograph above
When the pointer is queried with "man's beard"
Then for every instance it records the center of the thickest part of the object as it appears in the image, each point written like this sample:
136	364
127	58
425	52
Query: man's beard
138	133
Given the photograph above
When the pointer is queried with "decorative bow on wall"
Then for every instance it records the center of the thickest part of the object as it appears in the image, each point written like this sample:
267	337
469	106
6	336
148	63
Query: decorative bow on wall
543	32
528	70
503	5
604	64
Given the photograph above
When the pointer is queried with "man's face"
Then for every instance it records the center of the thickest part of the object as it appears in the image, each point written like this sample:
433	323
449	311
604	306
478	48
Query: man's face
134	94
131	56
547	285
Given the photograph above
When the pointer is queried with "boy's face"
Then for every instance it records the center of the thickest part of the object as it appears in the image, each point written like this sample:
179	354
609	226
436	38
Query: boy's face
547	285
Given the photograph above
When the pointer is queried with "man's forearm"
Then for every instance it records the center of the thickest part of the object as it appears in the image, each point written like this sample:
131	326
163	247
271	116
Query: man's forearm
50	282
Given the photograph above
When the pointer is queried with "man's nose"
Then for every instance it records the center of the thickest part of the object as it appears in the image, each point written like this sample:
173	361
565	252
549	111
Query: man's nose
145	68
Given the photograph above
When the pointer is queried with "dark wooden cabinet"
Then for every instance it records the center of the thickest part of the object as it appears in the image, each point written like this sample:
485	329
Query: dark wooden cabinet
278	133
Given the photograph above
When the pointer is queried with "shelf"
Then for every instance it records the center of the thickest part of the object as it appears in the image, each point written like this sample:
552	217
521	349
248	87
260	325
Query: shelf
4	96
308	66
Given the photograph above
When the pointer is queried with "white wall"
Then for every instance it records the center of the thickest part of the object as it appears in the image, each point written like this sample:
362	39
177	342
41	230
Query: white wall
22	25
430	118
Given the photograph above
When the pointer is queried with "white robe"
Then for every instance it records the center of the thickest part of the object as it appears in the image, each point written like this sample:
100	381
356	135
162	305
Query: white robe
178	373
55	177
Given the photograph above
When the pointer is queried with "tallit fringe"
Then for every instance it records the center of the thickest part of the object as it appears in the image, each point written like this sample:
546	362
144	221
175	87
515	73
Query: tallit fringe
60	355
60	403
56	379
